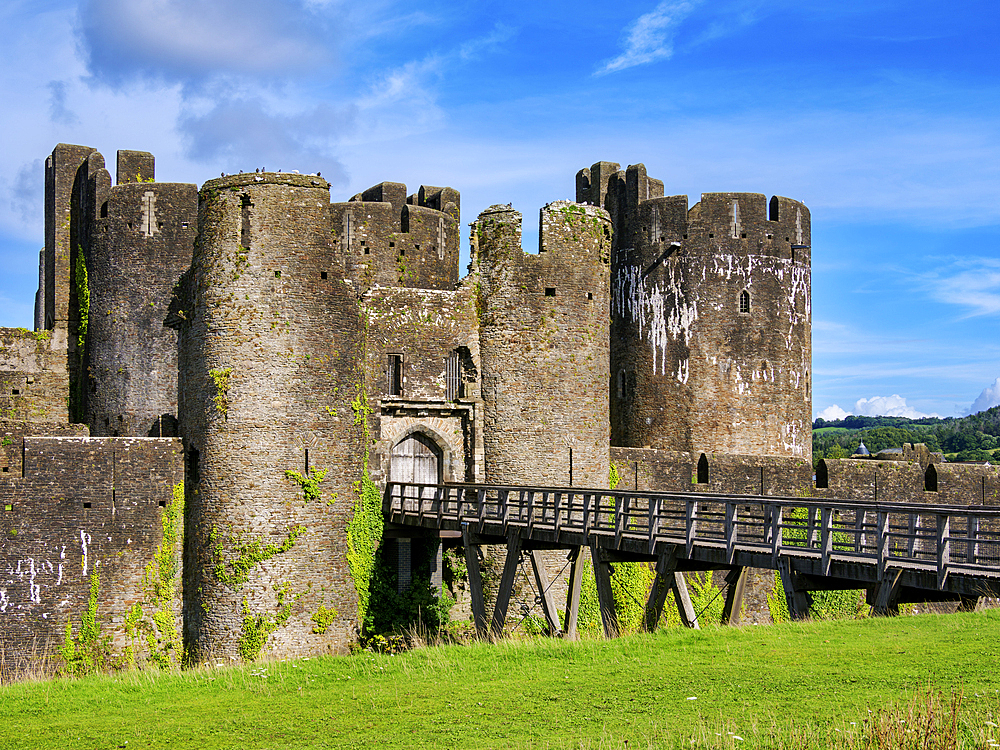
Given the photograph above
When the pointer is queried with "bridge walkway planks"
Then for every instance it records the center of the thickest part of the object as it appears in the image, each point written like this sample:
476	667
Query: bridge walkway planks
897	552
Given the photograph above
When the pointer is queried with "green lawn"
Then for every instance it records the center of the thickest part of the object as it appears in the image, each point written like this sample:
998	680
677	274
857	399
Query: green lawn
659	690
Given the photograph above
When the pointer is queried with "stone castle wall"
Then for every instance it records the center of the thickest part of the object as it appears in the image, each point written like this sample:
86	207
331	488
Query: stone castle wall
34	381
710	344
75	507
544	341
141	243
293	338
269	360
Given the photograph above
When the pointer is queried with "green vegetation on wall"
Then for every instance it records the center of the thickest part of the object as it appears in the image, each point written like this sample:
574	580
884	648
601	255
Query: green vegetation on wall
78	379
245	556
255	629
823	605
309	484
88	651
630	582
364	530
221	378
82	286
381	608
159	585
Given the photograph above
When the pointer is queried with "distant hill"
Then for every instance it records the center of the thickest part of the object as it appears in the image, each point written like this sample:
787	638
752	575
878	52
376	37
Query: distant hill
971	438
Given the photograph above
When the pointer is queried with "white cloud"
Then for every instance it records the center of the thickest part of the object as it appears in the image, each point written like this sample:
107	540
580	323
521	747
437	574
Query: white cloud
190	39
246	134
887	406
832	413
972	283
877	406
988	398
651	36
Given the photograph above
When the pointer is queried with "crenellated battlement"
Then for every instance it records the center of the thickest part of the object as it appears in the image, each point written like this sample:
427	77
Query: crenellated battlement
386	238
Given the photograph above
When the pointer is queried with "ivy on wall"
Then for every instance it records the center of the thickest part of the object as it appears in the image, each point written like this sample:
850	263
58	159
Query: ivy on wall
88	651
159	585
364	530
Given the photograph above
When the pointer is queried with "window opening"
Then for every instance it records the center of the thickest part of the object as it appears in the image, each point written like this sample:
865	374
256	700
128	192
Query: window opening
395	375
822	475
322	274
550	291
245	205
703	469
931	479
744	301
453	377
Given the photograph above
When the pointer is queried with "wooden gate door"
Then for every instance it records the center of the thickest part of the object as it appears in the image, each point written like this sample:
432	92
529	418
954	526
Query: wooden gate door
415	459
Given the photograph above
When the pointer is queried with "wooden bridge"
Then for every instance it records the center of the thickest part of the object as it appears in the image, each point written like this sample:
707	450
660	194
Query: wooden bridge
898	552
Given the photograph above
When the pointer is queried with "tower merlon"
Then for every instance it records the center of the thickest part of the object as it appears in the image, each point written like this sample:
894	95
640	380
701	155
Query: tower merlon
385	192
135	166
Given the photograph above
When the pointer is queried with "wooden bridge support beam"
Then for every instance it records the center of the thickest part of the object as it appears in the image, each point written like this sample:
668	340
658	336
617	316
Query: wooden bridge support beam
667	581
506	583
736	582
475	582
605	595
689	618
971	604
542	584
886	598
662	585
795	596
573	593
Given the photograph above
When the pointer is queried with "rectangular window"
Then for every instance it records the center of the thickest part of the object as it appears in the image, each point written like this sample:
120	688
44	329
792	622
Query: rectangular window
395	375
453	379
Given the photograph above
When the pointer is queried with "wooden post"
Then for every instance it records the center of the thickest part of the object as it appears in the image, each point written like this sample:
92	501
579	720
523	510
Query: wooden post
943	549
506	583
826	538
887	594
475	582
691	523
732	516
689	618
542	582
882	535
972	539
662	584
736	580
776	534
605	596
797	600
573	594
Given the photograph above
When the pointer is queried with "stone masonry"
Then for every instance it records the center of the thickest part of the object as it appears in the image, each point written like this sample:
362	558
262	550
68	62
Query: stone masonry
286	341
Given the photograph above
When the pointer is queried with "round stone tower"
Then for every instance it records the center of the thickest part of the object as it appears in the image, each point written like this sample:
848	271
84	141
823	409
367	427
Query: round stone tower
544	346
269	368
140	244
711	321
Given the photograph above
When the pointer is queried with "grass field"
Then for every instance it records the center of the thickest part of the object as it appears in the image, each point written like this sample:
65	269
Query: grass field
792	685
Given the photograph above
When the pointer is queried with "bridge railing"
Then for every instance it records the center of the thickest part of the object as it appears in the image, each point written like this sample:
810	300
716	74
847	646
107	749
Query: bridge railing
935	537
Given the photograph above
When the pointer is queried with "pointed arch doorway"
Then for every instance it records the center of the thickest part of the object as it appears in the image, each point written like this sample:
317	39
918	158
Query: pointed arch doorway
416	459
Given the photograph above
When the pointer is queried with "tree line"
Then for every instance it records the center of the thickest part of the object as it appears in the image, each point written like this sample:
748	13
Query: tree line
971	438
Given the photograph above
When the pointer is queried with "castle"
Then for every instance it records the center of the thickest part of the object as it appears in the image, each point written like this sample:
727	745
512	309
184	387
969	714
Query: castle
220	381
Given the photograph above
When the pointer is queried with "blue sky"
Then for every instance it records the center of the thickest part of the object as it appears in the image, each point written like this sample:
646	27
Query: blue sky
883	117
